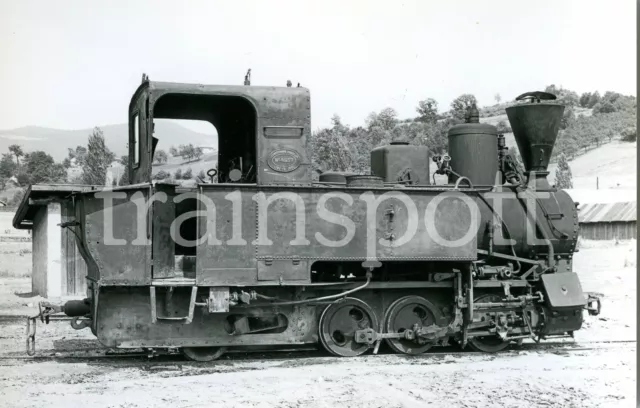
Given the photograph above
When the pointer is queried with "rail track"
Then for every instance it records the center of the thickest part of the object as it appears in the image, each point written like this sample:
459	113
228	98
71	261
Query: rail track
299	353
256	354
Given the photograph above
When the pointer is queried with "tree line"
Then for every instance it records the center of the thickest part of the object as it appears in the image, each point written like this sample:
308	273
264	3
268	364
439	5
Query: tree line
187	152
341	147
25	168
613	115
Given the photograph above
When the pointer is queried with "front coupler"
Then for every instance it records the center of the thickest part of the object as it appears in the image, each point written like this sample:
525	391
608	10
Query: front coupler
80	310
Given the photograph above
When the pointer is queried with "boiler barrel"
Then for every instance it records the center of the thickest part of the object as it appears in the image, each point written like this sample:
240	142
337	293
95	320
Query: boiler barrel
473	148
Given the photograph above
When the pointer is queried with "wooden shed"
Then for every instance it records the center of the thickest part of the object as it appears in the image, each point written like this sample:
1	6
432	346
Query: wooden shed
608	221
58	268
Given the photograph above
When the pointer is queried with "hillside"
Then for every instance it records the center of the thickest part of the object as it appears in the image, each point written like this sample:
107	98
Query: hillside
56	141
613	164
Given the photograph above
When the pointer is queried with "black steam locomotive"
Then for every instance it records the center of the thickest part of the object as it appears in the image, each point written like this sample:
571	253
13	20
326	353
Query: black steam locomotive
268	256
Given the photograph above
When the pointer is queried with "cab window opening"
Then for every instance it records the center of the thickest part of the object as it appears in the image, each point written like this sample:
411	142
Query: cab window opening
234	119
136	139
183	151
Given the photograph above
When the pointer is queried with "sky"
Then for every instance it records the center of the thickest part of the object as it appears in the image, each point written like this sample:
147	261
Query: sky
75	64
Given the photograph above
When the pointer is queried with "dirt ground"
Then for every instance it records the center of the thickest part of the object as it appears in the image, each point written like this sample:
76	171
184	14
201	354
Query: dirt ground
592	372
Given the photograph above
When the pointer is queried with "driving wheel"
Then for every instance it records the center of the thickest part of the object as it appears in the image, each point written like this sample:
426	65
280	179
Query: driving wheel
339	323
203	354
402	315
487	344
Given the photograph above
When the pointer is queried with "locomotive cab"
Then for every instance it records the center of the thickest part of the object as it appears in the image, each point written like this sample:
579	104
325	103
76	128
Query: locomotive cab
262	131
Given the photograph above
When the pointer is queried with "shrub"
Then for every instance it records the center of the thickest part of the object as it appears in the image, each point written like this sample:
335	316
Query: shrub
629	134
503	127
161	175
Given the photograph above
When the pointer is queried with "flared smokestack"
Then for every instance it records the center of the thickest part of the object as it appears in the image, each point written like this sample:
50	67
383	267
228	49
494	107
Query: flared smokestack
535	127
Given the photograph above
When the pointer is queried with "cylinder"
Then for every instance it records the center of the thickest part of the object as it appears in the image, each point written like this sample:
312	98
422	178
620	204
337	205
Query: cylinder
473	148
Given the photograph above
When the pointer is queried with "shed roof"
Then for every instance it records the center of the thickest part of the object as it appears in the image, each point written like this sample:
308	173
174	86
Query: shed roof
609	212
23	219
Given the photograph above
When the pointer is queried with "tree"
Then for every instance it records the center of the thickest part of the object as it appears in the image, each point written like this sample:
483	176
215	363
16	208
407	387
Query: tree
23	178
183	151
78	154
428	110
178	174
173	151
198	153
386	119
329	148
604	106
569	98
188	174
7	166
160	157
461	105
41	168
610	96
568	116
497	97
584	99
17	152
594	98
97	160
124	179
563	173
190	152
566	96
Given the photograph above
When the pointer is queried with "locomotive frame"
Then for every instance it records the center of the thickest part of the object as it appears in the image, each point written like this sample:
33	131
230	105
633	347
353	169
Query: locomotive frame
262	277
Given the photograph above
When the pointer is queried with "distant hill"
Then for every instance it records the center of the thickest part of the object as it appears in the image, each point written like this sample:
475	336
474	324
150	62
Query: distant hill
56	141
612	164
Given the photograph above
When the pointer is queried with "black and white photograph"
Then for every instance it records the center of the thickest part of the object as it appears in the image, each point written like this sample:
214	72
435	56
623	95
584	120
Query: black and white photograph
310	204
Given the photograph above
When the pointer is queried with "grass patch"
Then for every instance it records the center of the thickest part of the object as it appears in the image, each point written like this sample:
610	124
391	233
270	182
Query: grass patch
5	273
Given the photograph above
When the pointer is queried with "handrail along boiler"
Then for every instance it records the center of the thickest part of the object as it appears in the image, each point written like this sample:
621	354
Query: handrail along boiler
344	277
